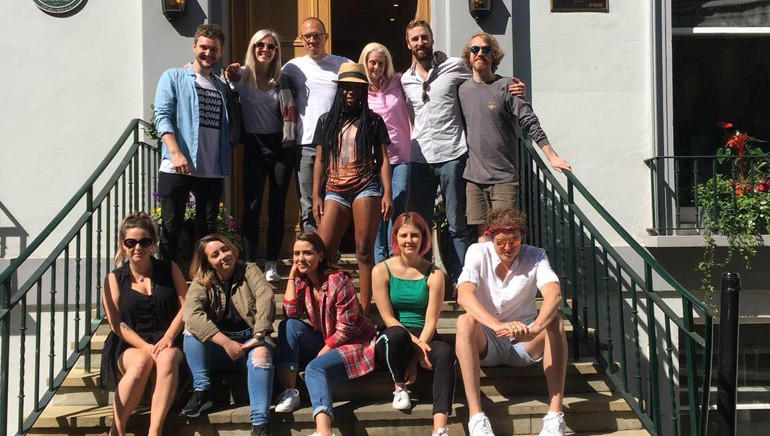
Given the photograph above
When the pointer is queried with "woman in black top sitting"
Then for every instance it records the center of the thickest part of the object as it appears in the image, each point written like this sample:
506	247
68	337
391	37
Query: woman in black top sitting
143	301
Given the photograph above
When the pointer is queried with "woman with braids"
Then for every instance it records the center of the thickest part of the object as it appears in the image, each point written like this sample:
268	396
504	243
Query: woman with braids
353	171
143	299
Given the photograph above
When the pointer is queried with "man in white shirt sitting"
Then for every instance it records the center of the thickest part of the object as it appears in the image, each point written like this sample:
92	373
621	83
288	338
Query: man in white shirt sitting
501	326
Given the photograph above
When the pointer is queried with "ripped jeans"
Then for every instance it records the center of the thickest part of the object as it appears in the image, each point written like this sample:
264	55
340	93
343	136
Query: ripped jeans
204	357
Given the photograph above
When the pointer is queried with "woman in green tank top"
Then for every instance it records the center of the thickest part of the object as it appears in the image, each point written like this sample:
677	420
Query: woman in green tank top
409	291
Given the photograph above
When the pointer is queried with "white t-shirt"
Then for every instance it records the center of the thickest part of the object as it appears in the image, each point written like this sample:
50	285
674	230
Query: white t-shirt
512	298
211	107
315	91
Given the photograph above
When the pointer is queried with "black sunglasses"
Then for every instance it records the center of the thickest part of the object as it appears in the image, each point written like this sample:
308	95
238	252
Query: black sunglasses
425	89
261	44
131	243
486	49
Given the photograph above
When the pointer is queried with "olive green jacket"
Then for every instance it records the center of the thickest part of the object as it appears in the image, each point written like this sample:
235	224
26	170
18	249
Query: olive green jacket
253	298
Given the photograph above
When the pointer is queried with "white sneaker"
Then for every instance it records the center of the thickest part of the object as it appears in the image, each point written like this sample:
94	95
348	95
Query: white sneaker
287	401
401	400
271	271
479	425
443	431
553	424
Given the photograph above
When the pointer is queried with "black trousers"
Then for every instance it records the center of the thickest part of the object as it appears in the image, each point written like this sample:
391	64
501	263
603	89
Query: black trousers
265	159
174	193
394	350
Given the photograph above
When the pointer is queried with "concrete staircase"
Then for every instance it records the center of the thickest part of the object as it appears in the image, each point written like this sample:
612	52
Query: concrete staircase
515	399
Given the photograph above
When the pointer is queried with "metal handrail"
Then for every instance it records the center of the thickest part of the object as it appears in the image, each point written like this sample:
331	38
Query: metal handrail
613	304
122	182
673	188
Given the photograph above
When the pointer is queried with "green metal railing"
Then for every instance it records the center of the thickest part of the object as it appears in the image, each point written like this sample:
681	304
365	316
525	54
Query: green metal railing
52	303
676	206
616	305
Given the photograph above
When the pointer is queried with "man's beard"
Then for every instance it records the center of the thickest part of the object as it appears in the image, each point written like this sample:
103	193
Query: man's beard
428	54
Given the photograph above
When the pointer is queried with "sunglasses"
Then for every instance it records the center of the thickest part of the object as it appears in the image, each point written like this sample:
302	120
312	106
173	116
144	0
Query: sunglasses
425	89
269	45
502	242
131	243
486	49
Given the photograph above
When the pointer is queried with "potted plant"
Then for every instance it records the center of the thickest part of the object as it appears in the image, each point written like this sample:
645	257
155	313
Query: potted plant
735	203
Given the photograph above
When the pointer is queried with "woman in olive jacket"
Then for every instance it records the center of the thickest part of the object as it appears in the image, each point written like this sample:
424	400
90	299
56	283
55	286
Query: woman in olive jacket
228	314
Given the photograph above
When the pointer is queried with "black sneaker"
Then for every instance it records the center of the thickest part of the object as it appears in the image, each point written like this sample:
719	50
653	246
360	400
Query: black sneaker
260	430
198	403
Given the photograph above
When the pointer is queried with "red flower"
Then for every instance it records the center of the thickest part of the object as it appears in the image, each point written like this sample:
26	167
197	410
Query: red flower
725	124
738	141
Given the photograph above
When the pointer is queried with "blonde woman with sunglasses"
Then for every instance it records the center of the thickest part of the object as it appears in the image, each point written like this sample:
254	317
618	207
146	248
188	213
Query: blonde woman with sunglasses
270	123
143	299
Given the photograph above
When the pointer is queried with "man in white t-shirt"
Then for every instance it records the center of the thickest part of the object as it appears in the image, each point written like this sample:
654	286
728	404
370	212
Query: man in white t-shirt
311	77
192	122
501	326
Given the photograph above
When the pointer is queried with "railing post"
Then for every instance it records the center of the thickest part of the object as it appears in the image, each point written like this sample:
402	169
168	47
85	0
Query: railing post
573	271
5	350
89	272
728	353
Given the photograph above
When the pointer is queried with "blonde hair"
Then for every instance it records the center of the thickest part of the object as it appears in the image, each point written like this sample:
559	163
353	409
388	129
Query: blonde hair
496	54
250	61
201	270
363	59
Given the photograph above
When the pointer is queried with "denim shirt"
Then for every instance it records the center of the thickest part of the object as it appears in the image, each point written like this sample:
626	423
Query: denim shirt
177	112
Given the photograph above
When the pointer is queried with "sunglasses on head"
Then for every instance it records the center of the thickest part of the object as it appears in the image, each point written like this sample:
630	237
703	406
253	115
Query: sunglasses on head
269	45
131	243
425	89
486	49
502	242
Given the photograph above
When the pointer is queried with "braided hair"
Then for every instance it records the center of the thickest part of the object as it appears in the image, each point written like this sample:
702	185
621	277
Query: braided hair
336	118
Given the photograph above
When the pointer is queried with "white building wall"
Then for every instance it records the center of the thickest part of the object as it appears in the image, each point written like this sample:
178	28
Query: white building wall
589	77
72	84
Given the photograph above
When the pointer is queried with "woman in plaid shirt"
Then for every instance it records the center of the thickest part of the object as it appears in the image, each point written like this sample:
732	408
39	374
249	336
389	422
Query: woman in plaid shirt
336	343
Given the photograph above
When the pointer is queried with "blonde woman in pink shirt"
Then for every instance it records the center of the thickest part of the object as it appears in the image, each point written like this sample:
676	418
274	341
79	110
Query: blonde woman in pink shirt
386	98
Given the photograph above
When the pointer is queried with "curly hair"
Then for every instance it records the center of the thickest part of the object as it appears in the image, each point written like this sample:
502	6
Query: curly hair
506	217
211	31
136	220
496	55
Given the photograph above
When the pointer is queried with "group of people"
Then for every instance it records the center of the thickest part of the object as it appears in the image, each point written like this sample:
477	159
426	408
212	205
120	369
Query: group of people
344	128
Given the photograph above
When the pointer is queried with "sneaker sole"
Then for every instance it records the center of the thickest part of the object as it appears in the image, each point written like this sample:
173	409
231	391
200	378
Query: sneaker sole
206	406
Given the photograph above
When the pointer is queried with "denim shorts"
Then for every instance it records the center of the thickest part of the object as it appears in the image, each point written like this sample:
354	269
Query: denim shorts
501	351
346	199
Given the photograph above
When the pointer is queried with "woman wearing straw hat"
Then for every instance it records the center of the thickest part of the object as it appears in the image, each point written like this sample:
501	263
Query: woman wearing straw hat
352	178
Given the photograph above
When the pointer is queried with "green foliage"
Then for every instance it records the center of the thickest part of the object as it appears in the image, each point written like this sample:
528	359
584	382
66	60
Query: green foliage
226	224
736	206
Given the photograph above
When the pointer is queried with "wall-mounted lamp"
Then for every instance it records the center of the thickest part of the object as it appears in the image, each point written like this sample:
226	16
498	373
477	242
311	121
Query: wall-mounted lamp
173	9
479	8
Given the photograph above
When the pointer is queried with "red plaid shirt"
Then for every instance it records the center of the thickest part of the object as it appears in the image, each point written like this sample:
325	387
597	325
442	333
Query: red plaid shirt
339	318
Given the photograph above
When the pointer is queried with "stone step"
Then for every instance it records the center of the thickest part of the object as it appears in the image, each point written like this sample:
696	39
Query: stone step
81	388
519	415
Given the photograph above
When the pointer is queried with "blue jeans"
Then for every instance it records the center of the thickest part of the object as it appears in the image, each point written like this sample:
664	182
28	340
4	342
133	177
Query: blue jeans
298	346
398	180
424	180
204	357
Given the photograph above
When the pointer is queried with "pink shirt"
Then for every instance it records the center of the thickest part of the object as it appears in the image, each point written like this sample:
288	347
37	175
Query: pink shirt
390	103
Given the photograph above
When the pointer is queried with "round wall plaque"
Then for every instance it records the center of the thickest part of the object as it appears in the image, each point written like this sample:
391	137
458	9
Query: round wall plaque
57	6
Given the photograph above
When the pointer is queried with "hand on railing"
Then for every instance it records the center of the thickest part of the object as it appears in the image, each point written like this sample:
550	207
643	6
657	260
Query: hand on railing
557	162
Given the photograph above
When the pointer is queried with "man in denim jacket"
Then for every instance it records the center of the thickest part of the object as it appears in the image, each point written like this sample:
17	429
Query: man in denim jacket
192	122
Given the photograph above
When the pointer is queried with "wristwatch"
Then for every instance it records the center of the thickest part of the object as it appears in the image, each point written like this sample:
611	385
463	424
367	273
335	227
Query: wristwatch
259	336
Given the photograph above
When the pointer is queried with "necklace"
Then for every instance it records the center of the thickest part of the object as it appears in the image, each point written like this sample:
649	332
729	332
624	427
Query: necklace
144	275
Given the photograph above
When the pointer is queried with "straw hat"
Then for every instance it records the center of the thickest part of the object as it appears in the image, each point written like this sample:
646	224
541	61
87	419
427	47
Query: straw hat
351	72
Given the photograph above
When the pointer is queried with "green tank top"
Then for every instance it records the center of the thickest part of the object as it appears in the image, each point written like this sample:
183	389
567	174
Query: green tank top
409	299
